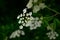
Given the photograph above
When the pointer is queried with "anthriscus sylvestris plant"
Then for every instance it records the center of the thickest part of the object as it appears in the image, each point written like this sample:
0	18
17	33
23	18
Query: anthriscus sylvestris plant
33	21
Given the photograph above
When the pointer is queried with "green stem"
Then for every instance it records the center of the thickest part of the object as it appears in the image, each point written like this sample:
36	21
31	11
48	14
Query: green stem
53	11
6	38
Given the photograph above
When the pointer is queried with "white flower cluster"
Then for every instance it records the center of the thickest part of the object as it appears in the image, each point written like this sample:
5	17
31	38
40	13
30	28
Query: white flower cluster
21	15
30	3
52	35
17	33
36	8
33	23
26	19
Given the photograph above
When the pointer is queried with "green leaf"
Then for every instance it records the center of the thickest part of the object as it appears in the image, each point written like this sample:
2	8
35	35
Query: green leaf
57	21
48	18
55	24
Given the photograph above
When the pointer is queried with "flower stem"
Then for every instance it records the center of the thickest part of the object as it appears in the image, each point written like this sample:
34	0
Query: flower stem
53	11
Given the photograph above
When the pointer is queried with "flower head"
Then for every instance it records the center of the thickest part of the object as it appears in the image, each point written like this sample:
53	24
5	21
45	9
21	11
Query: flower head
52	35
17	33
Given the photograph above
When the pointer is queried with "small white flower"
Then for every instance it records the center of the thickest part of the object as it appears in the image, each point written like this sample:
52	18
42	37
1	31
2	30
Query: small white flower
21	15
22	21
40	21
19	21
25	10
18	31
21	27
37	24
23	24
36	18
22	33
18	35
29	5
18	16
35	27
27	14
30	13
42	5
28	23
28	18
31	18
36	8
31	28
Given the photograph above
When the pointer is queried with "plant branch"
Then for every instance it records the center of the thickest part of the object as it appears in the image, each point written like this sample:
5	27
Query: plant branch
53	11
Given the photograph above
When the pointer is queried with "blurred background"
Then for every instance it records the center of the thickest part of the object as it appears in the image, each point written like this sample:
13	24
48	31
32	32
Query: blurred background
10	9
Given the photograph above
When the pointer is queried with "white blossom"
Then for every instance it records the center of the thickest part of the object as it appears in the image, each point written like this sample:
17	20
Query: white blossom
19	21
17	33
23	24
34	23
30	13
52	35
29	5
21	27
36	18
27	14
23	14
22	21
18	17
28	23
25	10
36	8
31	18
22	33
42	5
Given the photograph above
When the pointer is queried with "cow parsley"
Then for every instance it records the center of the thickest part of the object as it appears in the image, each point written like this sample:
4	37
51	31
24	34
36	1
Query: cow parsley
33	23
52	35
17	33
26	19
